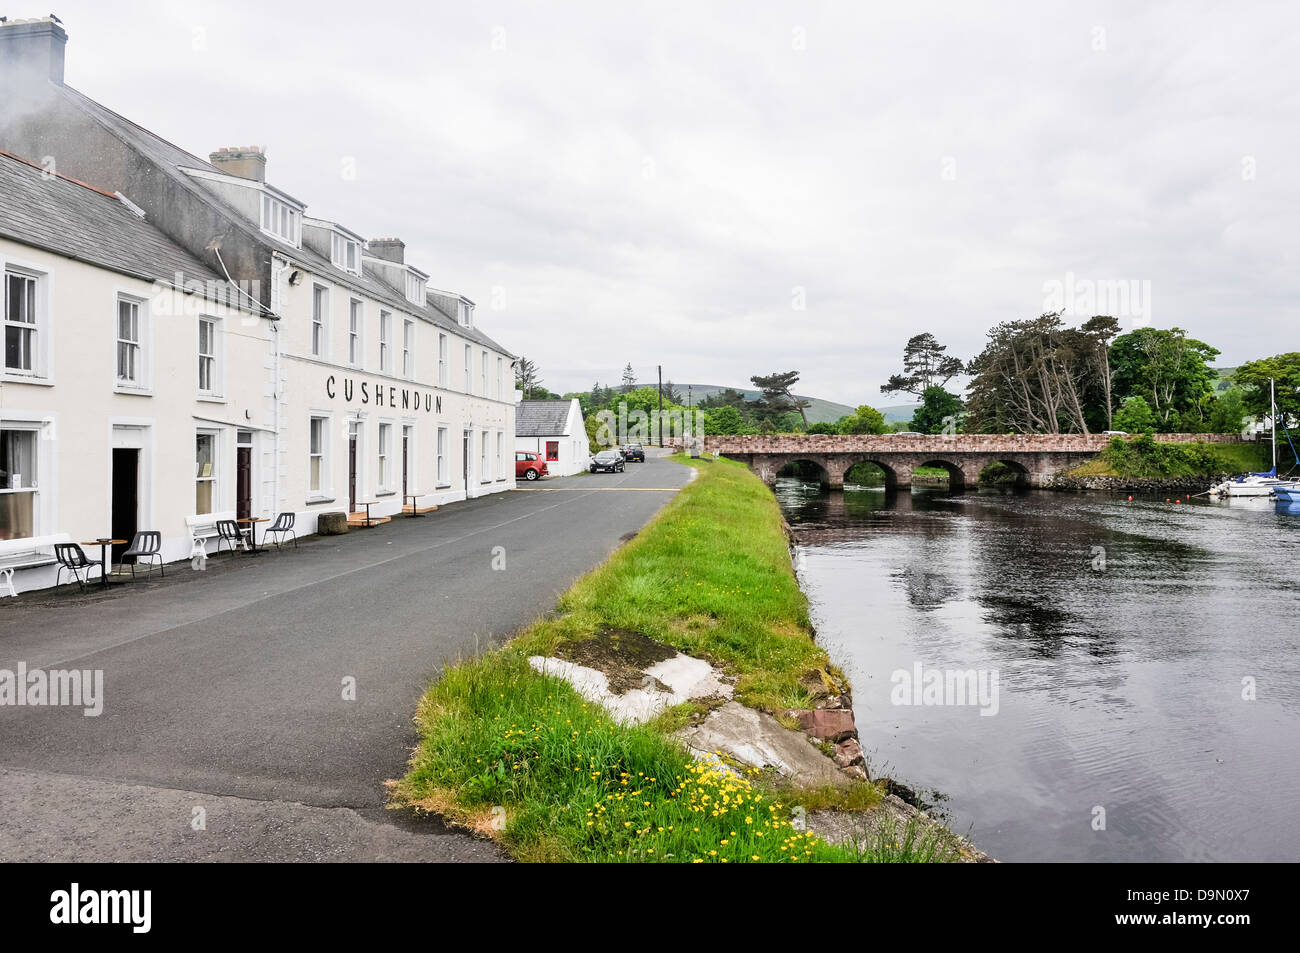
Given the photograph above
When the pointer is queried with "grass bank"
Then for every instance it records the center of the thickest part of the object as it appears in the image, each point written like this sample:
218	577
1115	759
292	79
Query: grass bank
523	758
1144	457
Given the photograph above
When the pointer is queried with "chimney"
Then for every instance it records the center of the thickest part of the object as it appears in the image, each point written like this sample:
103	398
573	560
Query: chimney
247	162
389	249
31	50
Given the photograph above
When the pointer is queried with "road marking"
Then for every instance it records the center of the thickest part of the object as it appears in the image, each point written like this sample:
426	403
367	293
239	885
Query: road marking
596	489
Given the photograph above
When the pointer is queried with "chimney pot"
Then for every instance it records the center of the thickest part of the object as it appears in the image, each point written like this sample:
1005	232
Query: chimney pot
389	249
245	162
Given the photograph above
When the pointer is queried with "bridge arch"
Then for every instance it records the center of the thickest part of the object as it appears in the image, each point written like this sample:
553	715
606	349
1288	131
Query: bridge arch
1005	471
806	468
957	477
889	470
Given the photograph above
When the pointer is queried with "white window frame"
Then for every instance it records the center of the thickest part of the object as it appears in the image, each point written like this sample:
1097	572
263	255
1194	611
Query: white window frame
469	369
384	443
385	342
484	381
466	314
31	486
319	344
442	360
443	438
408	349
501	378
216	372
281	219
324	490
501	455
37	331
215	478
356	332
136	351
415	286
343	249
484	461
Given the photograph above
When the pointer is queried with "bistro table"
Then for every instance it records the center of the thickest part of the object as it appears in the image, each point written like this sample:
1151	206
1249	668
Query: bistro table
103	545
367	506
415	511
252	522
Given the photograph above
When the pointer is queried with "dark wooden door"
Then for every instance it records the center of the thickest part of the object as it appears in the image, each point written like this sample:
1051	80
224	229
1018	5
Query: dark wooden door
464	459
352	474
243	482
406	441
125	507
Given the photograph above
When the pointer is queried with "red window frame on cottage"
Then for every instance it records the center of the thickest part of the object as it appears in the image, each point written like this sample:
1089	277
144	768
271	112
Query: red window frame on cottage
552	450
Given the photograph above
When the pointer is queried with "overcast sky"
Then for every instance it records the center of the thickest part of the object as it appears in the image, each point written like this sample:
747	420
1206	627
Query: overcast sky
758	186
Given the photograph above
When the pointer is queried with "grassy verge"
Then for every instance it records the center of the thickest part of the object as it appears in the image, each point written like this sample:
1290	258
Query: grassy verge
1142	456
523	758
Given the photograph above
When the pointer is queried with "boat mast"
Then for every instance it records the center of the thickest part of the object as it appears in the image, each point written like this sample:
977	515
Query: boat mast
1272	399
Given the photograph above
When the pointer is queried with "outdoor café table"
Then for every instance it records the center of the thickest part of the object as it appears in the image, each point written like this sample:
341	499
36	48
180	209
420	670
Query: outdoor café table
367	506
414	510
252	522
103	545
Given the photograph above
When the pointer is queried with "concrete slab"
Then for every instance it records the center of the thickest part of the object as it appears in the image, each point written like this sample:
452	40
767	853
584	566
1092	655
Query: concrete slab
685	677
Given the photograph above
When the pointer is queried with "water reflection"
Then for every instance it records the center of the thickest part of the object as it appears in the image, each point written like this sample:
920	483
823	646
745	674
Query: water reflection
1121	631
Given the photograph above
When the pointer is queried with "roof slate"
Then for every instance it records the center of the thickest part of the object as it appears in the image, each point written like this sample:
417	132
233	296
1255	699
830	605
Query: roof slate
542	418
174	159
69	218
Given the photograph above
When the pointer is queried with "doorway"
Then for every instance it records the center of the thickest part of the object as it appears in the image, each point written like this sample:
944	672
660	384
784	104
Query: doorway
244	475
352	472
406	455
125	510
466	439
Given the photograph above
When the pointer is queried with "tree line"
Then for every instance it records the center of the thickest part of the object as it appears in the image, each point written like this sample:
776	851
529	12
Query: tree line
1038	375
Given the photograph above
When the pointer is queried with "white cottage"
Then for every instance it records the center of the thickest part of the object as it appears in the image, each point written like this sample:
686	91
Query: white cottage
339	382
555	429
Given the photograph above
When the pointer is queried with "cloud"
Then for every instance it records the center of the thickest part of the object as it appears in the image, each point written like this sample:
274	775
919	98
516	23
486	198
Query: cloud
663	183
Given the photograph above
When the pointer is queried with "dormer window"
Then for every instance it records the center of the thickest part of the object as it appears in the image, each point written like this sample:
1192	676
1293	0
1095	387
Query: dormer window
346	253
466	314
414	288
281	220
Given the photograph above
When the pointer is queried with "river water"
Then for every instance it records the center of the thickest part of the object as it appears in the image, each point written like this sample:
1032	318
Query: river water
1126	639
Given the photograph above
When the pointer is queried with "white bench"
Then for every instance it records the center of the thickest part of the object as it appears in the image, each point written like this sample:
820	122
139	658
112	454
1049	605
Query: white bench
26	554
203	528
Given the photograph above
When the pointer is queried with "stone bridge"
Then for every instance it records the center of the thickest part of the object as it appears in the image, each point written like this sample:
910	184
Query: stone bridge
1036	457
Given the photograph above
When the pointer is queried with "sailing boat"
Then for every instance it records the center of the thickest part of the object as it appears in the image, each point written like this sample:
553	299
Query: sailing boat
1258	484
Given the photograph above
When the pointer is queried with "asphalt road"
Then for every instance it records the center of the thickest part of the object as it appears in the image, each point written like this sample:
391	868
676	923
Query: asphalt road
224	690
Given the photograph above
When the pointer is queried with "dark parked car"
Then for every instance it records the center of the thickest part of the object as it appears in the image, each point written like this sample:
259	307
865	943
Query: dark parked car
529	465
610	461
634	452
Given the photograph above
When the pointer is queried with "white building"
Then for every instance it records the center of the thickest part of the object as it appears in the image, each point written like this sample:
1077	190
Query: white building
339	378
117	384
556	430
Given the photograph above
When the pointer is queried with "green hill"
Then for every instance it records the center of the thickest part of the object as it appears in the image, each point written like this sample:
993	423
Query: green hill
820	411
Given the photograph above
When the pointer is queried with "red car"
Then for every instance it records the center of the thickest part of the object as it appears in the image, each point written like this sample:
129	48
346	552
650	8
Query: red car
528	465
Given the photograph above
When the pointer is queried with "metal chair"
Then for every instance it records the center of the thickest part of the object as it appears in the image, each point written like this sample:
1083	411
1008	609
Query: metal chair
228	531
73	558
283	524
147	545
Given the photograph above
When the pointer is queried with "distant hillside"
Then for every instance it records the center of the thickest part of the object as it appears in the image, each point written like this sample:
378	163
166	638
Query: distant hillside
821	411
1225	377
899	413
